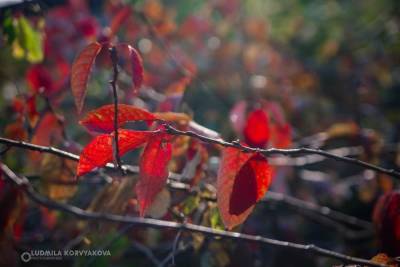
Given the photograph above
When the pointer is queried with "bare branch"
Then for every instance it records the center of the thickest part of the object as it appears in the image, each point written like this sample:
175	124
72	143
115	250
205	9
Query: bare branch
322	210
188	227
146	251
174	178
286	152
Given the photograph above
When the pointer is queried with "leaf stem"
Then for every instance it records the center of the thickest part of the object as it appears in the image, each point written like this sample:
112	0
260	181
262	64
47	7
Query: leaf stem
113	83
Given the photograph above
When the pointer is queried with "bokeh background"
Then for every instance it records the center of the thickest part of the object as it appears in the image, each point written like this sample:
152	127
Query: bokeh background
327	71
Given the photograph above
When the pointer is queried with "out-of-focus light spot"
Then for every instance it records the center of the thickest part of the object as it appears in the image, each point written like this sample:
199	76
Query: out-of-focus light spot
9	91
213	43
213	164
258	81
145	45
106	31
314	176
369	175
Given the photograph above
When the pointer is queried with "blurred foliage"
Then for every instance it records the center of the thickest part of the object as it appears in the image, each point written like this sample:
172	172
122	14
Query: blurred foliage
329	69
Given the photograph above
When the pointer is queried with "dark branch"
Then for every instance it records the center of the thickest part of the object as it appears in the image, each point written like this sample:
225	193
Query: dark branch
113	83
286	152
322	210
174	183
188	227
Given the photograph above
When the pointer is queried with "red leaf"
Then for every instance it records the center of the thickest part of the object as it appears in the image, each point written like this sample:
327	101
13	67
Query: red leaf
119	19
386	218
153	171
136	66
39	78
100	150
48	131
256	131
243	179
281	136
80	73
102	119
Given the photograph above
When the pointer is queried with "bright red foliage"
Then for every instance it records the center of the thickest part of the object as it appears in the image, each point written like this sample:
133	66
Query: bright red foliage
243	179
102	119
100	150
153	170
257	130
80	73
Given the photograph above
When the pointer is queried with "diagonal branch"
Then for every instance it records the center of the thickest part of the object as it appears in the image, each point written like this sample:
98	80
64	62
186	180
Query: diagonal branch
174	183
286	152
187	227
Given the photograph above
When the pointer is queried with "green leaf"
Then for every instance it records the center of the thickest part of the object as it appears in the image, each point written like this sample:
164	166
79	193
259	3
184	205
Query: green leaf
215	219
28	42
190	204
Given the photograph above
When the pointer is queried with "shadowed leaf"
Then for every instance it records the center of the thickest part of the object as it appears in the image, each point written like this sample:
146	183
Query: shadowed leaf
243	179
137	70
80	73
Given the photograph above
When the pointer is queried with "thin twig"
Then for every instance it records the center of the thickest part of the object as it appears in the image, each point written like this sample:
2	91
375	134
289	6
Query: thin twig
5	150
179	250
24	183
286	152
322	210
149	254
175	245
113	83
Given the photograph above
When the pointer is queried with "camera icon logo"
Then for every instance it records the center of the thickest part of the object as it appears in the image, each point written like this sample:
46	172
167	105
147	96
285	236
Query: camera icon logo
26	256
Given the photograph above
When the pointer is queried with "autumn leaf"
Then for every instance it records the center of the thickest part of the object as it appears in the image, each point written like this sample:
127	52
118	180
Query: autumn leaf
173	94
386	218
243	179
56	173
120	17
281	136
102	119
80	73
137	70
153	171
48	131
100	150
39	78
257	131
13	203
